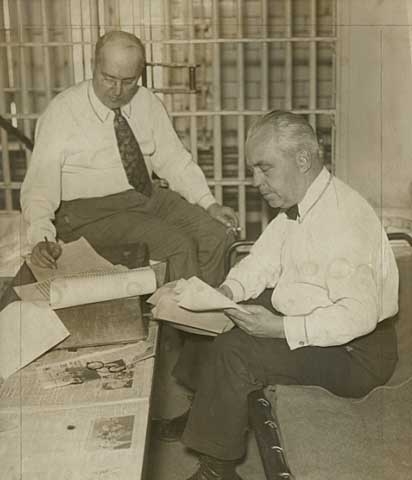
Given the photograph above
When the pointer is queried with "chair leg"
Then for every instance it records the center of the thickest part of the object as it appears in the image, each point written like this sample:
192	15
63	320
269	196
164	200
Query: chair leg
268	437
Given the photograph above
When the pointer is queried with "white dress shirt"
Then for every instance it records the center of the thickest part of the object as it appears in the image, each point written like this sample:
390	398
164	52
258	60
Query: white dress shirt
333	271
76	155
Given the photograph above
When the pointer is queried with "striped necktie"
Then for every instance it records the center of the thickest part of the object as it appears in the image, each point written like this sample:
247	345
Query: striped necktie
131	155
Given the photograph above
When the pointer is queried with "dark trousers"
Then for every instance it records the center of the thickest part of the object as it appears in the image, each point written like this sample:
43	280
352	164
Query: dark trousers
234	364
184	234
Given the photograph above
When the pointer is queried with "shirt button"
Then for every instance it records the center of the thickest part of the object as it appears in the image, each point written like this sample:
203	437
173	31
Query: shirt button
301	343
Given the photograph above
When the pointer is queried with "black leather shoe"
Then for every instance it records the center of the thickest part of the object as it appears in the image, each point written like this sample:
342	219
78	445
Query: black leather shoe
170	430
214	469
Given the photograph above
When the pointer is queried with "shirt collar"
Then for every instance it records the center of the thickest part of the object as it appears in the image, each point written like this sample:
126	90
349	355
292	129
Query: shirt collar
314	192
101	111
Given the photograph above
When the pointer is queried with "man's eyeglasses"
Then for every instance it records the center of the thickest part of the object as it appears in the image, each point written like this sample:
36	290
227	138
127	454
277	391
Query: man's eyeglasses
110	367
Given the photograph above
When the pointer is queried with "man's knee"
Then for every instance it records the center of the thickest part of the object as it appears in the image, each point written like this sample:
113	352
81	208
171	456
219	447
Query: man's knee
182	257
186	247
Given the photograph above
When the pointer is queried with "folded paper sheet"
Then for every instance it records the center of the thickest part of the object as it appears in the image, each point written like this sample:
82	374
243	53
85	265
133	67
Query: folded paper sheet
91	287
193	306
196	295
27	330
202	323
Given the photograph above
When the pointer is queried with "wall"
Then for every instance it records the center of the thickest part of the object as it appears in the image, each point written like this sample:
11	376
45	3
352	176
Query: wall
374	101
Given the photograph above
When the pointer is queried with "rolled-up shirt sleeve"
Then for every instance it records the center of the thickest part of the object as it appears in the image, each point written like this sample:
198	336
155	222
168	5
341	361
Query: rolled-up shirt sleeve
174	163
41	189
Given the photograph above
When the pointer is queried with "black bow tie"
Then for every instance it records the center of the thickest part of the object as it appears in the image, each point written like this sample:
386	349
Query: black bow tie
293	212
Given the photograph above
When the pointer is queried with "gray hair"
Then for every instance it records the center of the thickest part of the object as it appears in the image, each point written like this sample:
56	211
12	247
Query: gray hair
292	133
118	36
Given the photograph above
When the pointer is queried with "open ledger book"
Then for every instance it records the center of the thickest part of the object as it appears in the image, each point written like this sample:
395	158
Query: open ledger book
97	301
82	277
192	305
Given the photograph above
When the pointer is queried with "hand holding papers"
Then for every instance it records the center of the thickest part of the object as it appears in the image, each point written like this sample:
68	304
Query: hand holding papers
194	306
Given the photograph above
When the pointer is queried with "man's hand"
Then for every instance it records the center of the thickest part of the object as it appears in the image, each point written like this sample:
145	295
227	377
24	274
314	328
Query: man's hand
225	215
45	254
259	322
161	182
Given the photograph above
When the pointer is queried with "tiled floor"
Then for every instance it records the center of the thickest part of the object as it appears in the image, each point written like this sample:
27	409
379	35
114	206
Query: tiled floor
172	461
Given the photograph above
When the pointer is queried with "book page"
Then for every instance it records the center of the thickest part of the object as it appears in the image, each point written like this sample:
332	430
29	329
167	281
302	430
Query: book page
77	257
27	330
83	288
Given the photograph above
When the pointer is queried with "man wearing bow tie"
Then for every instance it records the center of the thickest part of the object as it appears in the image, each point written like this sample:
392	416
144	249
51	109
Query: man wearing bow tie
324	283
97	145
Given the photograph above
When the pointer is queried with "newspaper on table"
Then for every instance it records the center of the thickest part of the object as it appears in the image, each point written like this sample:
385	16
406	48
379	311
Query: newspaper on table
62	377
100	442
92	429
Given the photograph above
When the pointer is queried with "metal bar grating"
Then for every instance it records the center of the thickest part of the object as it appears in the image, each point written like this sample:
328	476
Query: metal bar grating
252	56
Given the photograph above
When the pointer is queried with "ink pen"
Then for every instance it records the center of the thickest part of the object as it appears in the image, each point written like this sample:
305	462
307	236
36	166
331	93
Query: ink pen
49	251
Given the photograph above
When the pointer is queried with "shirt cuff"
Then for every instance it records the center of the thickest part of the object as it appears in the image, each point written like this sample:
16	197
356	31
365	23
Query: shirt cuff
207	200
296	332
236	288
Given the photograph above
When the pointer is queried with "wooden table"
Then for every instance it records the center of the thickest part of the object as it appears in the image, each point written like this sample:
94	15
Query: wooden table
95	429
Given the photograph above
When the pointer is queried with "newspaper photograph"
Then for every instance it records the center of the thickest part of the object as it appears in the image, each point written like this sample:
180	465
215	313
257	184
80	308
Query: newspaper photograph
91	443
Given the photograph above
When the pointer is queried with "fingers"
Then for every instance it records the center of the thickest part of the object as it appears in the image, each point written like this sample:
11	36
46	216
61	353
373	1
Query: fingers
232	216
237	315
238	319
254	308
45	254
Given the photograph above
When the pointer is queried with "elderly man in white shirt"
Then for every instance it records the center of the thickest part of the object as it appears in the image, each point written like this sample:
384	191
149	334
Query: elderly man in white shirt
325	286
96	147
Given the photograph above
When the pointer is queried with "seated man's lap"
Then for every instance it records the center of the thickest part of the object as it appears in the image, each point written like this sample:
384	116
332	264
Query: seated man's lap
173	229
349	370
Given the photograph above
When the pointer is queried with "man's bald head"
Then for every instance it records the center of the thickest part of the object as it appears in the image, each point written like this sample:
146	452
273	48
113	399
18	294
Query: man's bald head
119	63
122	39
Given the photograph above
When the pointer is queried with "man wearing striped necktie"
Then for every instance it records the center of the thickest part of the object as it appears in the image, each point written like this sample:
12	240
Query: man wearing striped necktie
97	145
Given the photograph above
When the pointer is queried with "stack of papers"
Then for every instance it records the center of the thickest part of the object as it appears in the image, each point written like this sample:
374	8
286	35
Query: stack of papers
192	305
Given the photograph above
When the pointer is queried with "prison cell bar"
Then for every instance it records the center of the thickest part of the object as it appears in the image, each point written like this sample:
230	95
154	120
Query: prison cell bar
192	96
5	158
241	121
8	198
313	64
23	77
195	41
203	113
69	39
265	93
46	52
217	104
